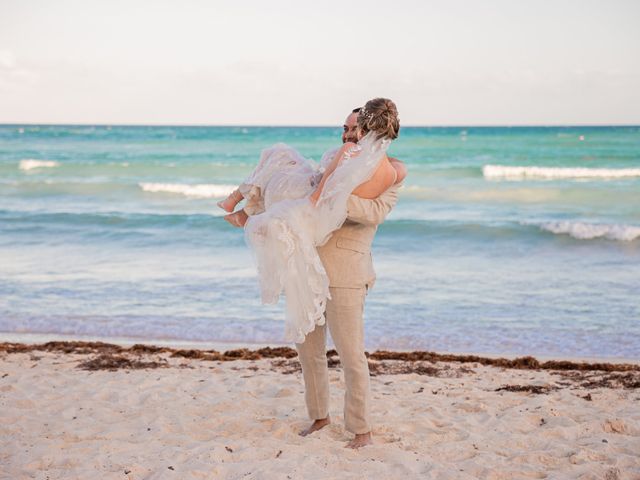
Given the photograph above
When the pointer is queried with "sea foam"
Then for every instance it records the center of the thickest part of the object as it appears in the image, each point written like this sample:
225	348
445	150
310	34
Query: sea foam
588	231
203	190
30	164
493	172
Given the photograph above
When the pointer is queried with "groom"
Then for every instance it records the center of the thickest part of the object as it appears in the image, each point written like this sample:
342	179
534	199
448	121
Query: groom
347	260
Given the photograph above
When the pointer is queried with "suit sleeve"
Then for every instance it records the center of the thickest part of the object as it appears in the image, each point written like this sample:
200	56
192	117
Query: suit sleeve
374	211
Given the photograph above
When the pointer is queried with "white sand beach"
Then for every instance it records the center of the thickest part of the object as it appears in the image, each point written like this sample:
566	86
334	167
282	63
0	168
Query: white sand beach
81	411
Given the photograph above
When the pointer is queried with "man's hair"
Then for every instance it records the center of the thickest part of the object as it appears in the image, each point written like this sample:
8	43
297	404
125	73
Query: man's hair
356	110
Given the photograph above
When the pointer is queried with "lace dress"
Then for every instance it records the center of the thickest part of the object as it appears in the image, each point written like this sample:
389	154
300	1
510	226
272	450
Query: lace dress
285	227
282	173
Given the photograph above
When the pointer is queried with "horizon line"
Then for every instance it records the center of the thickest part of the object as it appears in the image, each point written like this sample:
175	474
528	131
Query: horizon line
457	125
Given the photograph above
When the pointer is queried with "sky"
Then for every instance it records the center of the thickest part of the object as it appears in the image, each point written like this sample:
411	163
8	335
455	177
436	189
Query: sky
218	62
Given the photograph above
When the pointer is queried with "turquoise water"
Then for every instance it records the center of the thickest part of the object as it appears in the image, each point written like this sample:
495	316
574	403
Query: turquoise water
113	231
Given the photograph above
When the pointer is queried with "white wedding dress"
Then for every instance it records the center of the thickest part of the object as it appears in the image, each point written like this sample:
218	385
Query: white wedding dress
284	233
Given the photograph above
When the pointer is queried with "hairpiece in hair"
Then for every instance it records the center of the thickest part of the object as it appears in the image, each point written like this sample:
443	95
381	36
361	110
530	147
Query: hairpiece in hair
364	113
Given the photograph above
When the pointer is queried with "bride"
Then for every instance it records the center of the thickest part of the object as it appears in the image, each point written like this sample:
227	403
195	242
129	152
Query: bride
293	207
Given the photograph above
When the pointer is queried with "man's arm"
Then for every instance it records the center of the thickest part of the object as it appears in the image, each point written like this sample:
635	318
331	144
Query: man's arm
374	211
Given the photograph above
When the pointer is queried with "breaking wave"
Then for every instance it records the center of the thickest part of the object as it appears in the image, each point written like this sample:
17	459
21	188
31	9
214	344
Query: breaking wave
203	190
503	172
588	231
30	164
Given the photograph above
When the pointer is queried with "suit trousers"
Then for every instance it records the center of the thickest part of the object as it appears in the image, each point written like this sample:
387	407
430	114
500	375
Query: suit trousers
344	316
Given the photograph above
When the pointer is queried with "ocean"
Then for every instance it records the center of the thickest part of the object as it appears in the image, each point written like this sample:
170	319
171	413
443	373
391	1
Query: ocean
508	241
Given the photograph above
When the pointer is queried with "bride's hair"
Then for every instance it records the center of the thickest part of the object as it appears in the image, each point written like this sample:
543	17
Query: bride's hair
379	115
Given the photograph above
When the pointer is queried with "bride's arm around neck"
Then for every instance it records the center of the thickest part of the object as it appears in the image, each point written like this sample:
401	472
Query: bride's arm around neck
329	170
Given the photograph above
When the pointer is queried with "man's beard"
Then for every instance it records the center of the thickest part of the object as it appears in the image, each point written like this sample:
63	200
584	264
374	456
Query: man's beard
350	138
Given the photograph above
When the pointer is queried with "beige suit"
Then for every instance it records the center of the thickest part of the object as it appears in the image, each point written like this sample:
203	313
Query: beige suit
347	259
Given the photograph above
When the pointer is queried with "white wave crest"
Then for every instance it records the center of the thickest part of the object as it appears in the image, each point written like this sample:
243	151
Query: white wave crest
493	172
30	164
204	190
588	231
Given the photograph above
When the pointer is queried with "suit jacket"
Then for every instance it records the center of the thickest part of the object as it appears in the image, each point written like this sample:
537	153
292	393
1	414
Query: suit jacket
346	256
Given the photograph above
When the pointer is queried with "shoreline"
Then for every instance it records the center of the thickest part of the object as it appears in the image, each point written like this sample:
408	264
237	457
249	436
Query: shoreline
127	342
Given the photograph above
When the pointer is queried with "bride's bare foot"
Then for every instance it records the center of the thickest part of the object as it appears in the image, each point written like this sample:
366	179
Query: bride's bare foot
361	440
316	425
229	203
237	219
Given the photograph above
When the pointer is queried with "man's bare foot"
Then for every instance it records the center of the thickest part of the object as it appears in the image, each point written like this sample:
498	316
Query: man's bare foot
229	203
361	440
237	219
316	425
